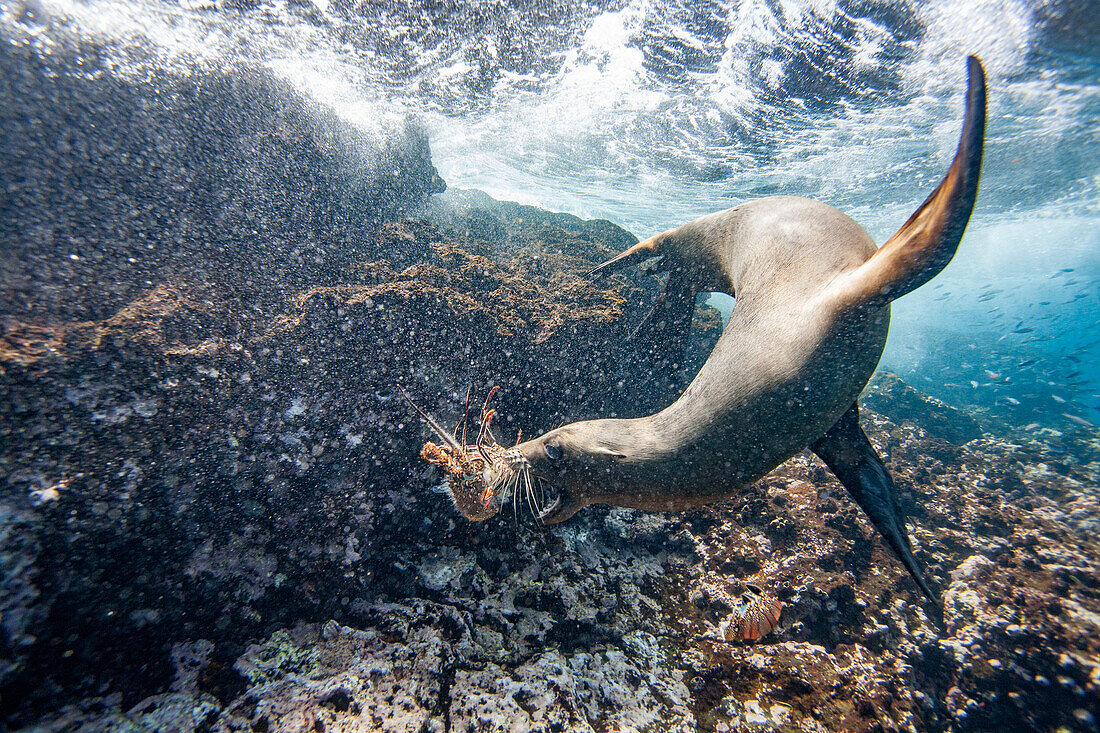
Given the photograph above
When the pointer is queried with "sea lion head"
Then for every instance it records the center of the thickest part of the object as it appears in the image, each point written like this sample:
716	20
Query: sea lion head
573	461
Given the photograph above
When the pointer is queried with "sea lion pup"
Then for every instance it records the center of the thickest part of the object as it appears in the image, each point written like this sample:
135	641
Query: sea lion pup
809	325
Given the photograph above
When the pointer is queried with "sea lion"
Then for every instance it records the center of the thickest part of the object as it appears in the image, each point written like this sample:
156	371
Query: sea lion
812	296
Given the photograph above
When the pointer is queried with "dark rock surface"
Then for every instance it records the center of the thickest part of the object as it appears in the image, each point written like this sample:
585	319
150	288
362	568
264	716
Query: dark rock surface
889	395
399	615
200	436
160	478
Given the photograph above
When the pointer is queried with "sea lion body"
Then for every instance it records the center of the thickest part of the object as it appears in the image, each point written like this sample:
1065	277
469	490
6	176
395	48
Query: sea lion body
812	309
787	366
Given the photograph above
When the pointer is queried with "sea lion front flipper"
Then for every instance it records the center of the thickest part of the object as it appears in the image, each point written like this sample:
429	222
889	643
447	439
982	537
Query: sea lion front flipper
670	316
669	321
851	457
928	240
660	341
641	251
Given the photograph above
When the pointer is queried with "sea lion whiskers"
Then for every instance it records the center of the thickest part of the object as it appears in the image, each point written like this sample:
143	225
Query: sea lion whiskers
521	477
510	486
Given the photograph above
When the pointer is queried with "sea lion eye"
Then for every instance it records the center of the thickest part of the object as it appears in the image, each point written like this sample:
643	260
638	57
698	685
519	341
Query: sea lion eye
553	451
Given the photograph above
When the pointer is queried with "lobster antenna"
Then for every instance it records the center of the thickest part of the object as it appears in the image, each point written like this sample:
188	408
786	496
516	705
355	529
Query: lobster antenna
465	414
443	434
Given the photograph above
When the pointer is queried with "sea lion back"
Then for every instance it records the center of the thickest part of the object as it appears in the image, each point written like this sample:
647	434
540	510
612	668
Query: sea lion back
784	245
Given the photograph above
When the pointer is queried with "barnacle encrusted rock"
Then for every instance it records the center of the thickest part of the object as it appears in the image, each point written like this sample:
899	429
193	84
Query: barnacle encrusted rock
888	394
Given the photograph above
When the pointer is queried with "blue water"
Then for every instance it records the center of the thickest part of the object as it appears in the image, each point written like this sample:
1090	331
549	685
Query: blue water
652	113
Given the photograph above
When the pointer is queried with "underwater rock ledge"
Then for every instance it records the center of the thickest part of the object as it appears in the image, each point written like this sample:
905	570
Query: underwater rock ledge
123	171
292	600
168	475
889	395
209	295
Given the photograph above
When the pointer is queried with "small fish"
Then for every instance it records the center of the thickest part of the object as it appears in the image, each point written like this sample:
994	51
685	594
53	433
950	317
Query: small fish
1079	420
1059	400
973	384
1012	400
1031	426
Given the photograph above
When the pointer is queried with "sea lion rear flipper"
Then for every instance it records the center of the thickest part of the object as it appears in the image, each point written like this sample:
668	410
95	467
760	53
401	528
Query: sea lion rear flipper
851	457
928	240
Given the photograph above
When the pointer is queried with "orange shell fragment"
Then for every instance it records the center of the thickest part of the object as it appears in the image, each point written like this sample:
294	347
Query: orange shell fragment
755	620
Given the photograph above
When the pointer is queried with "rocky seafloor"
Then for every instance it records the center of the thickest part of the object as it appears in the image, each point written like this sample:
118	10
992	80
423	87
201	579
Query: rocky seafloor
213	517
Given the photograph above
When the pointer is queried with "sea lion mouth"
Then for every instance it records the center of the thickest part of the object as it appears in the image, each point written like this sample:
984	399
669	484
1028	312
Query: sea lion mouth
549	510
561	507
524	481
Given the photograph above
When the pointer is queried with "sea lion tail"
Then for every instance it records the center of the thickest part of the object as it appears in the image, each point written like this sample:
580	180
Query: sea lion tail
928	240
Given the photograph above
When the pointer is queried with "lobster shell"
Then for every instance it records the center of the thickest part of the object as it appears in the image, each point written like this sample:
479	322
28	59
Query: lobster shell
753	620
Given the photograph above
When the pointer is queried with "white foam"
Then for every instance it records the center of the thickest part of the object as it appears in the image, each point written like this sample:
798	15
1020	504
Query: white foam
606	132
